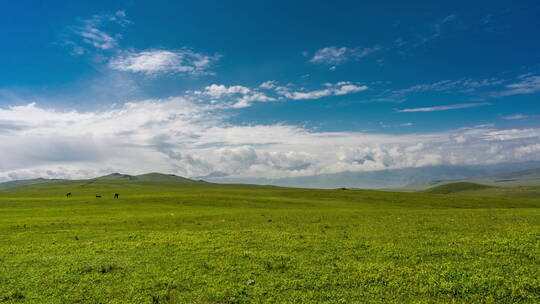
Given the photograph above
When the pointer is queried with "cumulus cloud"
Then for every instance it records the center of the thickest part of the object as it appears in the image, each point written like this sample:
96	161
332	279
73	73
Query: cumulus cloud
95	34
523	151
237	96
270	84
217	91
154	62
192	138
248	99
334	55
447	107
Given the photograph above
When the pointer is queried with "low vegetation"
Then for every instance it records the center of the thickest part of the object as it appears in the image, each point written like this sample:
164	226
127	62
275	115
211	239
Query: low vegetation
170	241
457	187
473	189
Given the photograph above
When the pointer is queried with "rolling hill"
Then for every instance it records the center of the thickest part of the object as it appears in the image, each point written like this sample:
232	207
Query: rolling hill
413	179
473	189
421	178
453	188
110	180
520	178
530	177
19	183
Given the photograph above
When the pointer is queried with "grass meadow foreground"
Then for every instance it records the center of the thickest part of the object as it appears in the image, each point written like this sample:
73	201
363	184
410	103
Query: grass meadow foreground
167	242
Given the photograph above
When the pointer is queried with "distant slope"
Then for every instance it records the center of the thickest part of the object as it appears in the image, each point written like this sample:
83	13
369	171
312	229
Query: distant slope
162	177
146	177
529	177
519	178
111	180
19	183
453	188
473	189
417	178
117	176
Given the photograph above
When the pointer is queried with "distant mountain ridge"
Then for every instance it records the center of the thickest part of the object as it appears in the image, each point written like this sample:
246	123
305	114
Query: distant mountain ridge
530	177
407	179
158	177
19	183
154	176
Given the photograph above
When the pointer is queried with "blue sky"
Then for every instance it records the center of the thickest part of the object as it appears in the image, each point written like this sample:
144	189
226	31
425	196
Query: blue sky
224	78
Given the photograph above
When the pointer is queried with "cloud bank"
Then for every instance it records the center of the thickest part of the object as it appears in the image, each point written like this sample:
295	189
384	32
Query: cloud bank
192	138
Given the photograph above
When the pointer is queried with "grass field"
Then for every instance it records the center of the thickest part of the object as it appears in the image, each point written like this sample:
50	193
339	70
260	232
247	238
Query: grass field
195	242
474	189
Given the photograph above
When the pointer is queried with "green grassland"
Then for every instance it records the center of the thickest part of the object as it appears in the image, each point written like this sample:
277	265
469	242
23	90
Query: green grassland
178	241
458	187
474	189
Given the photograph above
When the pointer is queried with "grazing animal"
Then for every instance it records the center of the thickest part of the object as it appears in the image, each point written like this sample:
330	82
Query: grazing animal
116	195
98	196
68	194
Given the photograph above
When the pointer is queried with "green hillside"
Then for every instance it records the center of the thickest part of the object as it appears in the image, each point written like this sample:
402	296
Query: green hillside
520	178
146	177
162	177
197	242
454	188
116	176
473	189
19	183
523	178
108	181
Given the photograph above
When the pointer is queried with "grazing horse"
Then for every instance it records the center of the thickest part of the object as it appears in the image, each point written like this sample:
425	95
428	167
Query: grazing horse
98	196
116	195
68	194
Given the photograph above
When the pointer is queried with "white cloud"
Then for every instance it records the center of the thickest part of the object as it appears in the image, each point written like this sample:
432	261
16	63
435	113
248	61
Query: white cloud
526	84
268	85
447	107
515	117
237	96
192	138
308	95
330	55
217	91
349	89
154	62
463	84
334	55
528	150
90	32
340	88
247	100
98	39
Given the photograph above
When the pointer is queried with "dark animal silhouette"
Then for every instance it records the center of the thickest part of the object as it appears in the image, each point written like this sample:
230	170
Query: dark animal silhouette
116	195
68	194
98	196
